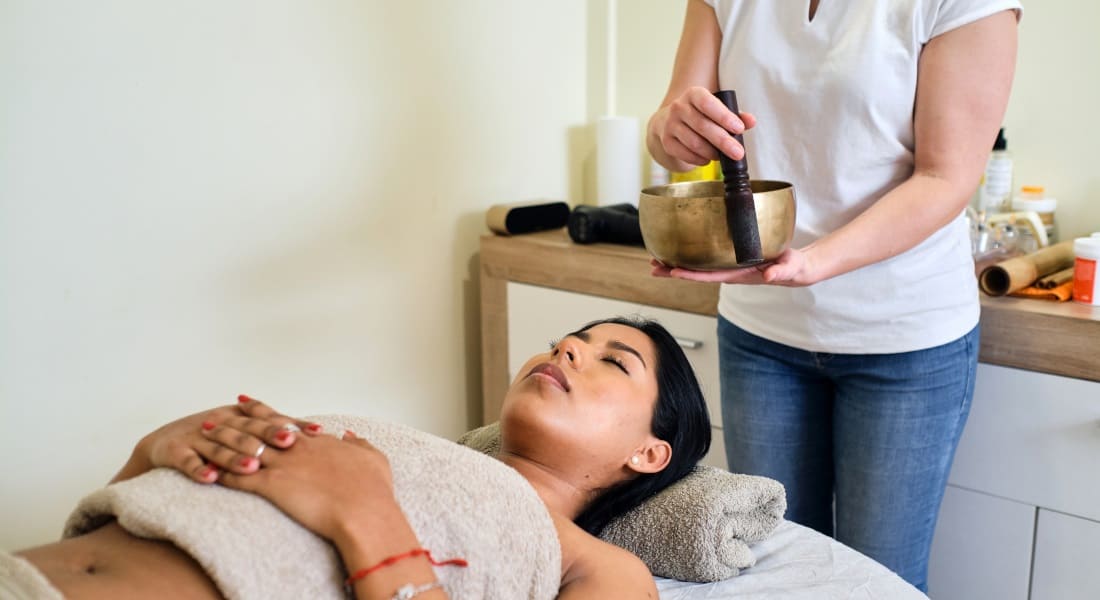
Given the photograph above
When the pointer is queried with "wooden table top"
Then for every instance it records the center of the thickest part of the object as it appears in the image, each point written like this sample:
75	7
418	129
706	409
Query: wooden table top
1061	338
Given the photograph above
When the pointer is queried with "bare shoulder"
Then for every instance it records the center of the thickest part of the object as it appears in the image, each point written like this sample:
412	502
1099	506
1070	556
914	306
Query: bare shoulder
593	568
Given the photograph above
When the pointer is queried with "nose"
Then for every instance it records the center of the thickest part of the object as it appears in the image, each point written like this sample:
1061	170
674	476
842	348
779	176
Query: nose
570	352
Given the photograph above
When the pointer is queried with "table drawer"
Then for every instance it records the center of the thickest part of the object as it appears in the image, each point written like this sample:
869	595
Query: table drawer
716	456
1033	438
1065	558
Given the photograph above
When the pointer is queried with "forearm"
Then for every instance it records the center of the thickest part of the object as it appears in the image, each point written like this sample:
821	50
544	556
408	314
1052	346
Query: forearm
900	220
367	541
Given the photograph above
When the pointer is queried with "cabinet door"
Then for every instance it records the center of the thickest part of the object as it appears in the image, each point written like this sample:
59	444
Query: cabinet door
1033	437
982	548
1066	563
537	315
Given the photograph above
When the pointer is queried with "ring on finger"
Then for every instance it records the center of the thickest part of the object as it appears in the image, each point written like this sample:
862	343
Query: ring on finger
259	450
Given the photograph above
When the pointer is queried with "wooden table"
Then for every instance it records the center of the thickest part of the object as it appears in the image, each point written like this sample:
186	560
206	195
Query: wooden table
1061	338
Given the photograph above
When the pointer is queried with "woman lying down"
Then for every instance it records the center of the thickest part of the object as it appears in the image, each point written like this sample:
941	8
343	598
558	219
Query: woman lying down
611	415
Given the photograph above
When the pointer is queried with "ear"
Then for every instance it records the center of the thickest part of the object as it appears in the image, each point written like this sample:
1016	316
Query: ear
652	458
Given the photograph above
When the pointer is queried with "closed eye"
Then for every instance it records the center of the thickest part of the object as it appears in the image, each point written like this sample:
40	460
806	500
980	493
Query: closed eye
617	362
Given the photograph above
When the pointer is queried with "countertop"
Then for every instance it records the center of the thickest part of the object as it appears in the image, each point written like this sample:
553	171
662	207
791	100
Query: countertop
1060	338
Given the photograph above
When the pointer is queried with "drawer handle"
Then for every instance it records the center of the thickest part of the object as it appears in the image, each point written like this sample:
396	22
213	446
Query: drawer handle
688	344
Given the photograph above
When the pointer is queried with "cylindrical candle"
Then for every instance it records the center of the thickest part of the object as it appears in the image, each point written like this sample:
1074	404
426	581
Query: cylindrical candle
618	161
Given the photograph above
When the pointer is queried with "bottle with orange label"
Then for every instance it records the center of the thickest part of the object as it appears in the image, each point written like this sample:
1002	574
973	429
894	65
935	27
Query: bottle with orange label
1086	253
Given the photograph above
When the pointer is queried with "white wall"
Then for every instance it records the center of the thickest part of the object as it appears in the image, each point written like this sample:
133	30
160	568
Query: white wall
204	198
1051	121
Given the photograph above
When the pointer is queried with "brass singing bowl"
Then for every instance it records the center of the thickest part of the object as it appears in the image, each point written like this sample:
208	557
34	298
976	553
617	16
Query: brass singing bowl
684	224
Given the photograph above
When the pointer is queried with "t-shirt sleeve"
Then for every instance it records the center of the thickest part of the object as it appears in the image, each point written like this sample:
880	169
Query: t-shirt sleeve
951	14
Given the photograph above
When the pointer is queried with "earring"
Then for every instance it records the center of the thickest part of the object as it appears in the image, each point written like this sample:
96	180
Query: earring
634	460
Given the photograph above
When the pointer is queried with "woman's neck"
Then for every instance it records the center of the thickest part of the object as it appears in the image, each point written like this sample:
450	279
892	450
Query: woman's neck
557	490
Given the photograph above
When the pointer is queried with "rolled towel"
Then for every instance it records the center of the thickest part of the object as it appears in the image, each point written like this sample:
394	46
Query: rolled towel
460	503
698	529
701	529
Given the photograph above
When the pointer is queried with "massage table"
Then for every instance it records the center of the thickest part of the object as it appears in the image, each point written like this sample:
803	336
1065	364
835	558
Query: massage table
798	563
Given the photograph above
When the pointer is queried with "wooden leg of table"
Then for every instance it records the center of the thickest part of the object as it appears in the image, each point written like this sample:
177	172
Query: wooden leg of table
494	345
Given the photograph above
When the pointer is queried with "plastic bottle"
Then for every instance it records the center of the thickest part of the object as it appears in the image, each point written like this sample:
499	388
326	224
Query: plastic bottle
995	194
1086	253
708	172
1034	198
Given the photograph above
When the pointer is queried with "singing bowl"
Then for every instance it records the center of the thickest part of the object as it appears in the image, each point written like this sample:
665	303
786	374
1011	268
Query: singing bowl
684	224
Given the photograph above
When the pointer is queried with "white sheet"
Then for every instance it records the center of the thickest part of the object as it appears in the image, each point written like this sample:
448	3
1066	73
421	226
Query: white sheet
798	563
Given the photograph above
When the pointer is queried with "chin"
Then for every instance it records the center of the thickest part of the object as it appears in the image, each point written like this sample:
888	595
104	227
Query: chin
533	418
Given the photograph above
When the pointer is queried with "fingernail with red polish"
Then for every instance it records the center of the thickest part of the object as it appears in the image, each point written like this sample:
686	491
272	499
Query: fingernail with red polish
246	462
207	425
243	398
282	436
208	472
313	428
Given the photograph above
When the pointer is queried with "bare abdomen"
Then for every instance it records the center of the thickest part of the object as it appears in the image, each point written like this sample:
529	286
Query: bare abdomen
111	563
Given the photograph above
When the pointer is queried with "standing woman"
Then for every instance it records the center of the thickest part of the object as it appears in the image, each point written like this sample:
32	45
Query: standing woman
848	364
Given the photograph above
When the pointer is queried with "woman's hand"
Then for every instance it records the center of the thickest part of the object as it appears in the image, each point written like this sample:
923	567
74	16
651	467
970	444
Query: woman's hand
227	438
793	268
693	127
342	490
338	488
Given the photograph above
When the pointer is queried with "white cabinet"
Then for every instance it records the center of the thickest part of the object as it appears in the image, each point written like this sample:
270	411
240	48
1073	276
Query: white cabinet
1030	447
982	548
538	315
1067	566
1035	438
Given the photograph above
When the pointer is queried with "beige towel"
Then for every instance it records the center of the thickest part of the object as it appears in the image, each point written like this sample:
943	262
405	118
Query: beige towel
460	503
20	580
702	530
698	529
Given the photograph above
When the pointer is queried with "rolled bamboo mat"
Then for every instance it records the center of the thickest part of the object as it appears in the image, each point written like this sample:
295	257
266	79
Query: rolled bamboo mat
1017	273
1049	282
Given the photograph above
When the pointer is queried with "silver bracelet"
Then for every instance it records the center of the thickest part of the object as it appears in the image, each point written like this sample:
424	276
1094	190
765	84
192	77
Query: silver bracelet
409	591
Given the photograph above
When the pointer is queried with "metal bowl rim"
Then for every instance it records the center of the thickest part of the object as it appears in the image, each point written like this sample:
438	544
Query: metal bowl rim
769	185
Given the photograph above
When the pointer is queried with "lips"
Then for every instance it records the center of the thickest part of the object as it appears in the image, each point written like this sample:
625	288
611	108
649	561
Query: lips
552	371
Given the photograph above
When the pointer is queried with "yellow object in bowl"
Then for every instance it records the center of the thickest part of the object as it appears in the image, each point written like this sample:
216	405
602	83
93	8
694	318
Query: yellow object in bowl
684	224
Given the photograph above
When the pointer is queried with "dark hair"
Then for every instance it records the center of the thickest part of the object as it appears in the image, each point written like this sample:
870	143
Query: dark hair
679	418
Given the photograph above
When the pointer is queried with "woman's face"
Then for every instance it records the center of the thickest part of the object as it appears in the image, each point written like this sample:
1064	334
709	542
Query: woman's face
591	395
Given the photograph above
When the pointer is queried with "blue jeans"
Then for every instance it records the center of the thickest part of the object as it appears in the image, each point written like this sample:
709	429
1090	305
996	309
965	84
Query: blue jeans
874	433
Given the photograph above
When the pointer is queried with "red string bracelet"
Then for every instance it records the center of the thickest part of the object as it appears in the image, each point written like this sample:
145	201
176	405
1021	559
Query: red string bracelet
361	573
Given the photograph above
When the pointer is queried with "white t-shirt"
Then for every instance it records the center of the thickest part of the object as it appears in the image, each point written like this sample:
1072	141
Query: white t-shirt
834	100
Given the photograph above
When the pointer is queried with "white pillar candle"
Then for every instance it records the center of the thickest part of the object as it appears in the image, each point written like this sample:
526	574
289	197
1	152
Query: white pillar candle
618	162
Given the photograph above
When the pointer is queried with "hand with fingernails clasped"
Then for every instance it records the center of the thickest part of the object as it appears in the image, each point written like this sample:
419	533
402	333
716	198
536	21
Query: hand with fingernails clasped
252	447
227	439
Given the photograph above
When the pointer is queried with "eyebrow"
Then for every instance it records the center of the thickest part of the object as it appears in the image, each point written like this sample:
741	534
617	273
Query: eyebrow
616	344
